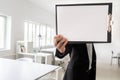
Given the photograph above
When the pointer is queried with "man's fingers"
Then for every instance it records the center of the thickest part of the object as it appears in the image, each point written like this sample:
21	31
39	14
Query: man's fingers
63	46
61	43
66	41
57	38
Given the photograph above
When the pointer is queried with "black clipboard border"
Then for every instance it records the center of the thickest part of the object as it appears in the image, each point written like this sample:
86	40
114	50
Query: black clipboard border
109	35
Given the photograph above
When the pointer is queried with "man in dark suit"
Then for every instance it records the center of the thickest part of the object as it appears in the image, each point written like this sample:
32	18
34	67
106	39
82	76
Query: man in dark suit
82	65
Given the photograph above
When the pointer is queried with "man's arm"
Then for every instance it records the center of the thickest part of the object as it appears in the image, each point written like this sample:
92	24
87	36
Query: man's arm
61	55
62	48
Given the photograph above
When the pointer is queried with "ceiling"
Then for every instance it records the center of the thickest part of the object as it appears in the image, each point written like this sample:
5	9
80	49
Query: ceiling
49	5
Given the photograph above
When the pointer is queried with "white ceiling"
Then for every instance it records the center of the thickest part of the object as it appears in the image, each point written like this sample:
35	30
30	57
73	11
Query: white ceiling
49	5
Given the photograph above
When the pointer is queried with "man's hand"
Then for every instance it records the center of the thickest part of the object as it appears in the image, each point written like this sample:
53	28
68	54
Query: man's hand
60	43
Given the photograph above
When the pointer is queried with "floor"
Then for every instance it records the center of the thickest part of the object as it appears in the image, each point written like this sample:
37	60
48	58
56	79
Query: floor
107	71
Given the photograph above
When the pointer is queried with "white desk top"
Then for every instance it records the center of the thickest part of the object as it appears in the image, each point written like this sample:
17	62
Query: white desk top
39	54
19	70
49	50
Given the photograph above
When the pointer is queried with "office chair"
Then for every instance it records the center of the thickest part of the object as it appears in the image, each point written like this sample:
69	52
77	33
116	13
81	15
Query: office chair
25	59
115	57
119	59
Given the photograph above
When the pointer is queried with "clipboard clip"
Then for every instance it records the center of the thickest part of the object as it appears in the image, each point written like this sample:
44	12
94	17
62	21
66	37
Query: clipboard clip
110	22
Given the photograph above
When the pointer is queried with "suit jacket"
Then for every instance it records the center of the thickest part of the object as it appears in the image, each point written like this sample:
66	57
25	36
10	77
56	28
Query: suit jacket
78	67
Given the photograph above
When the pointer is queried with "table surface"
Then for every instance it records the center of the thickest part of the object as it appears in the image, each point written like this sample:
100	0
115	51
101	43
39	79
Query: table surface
37	54
20	70
48	50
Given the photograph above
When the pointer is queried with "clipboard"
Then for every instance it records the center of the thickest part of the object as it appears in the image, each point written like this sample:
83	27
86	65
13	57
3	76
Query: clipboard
84	23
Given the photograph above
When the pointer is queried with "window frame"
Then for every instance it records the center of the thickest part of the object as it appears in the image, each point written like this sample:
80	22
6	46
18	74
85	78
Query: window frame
4	33
7	32
39	41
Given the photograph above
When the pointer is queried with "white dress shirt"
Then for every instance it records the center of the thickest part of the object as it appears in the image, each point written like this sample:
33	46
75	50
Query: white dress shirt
89	48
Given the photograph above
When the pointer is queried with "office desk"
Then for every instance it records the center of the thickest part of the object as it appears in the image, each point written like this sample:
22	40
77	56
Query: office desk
18	70
47	56
48	50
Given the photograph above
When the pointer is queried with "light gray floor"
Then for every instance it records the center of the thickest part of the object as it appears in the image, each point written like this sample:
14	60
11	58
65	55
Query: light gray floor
105	71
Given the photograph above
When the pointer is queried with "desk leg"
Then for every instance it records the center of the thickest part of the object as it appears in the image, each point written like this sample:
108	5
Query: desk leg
58	75
40	59
48	59
16	55
119	61
35	58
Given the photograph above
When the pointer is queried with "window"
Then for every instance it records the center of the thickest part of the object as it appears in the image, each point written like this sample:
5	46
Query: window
5	30
40	34
2	31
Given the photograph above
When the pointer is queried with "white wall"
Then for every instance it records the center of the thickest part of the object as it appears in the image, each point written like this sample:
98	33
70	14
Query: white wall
21	10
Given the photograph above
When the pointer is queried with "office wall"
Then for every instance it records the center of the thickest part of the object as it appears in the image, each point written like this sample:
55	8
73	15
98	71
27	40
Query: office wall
21	10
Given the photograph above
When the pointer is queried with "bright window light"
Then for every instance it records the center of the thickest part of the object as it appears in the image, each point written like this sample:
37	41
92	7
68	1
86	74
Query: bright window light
40	34
2	32
5	32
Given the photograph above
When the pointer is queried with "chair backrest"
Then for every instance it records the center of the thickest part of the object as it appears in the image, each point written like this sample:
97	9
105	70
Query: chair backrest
114	55
112	52
118	54
25	59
